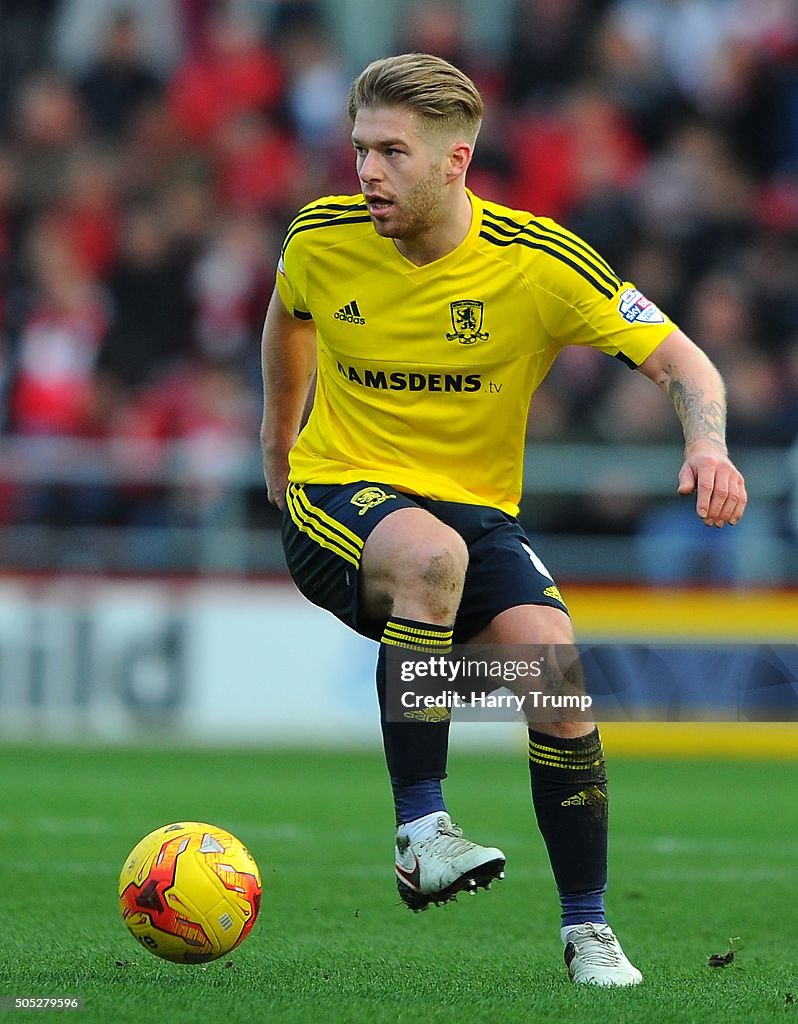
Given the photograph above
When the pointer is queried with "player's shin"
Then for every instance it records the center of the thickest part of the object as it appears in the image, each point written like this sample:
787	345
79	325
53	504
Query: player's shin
569	793
434	862
415	749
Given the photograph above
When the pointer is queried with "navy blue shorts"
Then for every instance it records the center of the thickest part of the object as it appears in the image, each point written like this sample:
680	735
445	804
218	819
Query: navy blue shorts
326	525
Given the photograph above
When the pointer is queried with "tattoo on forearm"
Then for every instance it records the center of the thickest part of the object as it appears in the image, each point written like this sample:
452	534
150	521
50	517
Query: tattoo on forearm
701	419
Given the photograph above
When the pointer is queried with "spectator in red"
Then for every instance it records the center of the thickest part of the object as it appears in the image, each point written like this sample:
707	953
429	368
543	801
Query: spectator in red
208	407
61	324
259	165
559	154
234	72
89	210
229	285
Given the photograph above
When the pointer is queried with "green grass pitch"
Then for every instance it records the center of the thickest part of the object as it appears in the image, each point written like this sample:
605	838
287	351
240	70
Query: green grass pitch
701	852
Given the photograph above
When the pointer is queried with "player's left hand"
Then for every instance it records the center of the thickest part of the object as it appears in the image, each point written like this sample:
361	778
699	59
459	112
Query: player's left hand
719	486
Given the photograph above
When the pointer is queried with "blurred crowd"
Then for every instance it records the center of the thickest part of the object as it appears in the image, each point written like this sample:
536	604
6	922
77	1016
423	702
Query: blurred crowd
153	151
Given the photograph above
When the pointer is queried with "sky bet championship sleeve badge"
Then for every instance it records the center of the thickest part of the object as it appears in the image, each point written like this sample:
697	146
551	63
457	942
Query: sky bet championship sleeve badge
636	308
467	322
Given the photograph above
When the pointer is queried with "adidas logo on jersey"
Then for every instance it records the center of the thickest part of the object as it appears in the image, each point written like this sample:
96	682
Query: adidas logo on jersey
350	313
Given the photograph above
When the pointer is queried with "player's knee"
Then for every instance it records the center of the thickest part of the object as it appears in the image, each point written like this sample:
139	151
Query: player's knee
443	569
561	633
435	567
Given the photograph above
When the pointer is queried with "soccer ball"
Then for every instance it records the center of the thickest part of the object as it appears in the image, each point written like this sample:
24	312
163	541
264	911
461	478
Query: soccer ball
190	892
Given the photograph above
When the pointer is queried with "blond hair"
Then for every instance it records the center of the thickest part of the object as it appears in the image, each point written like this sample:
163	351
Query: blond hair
436	91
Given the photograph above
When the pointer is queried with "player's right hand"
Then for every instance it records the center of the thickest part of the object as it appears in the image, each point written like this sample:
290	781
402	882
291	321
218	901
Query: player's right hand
275	470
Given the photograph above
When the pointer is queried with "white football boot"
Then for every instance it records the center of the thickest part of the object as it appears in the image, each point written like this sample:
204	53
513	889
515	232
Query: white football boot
594	956
436	868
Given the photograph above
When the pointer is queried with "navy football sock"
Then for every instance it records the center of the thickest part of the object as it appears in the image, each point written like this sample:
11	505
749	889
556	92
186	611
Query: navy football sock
569	792
415	752
577	908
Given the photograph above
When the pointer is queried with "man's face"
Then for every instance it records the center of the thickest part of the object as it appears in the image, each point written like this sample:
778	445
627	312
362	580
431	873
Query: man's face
402	172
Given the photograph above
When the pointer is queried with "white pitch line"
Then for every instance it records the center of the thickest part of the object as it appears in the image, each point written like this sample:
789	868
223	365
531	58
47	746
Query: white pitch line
715	846
65	867
720	873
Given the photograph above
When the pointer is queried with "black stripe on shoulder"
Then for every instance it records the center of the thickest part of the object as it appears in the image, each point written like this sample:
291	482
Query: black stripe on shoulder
529	244
322	209
589	251
328	220
626	360
300	314
503	220
570	243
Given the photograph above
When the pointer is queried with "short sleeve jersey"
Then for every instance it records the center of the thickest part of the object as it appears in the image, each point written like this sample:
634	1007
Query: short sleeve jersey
425	374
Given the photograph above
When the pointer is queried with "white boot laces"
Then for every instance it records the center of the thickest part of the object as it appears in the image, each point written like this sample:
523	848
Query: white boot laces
603	952
453	843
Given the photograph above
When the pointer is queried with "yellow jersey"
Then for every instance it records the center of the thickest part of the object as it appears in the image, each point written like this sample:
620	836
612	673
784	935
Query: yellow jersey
425	374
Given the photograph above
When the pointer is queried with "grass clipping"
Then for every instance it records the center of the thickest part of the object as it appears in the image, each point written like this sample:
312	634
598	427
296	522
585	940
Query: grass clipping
724	959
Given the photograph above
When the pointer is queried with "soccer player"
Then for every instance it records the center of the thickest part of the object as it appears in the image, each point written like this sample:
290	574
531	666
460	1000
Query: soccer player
428	317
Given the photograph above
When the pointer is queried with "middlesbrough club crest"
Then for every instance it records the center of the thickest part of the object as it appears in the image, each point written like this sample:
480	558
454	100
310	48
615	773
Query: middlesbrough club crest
369	497
467	322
